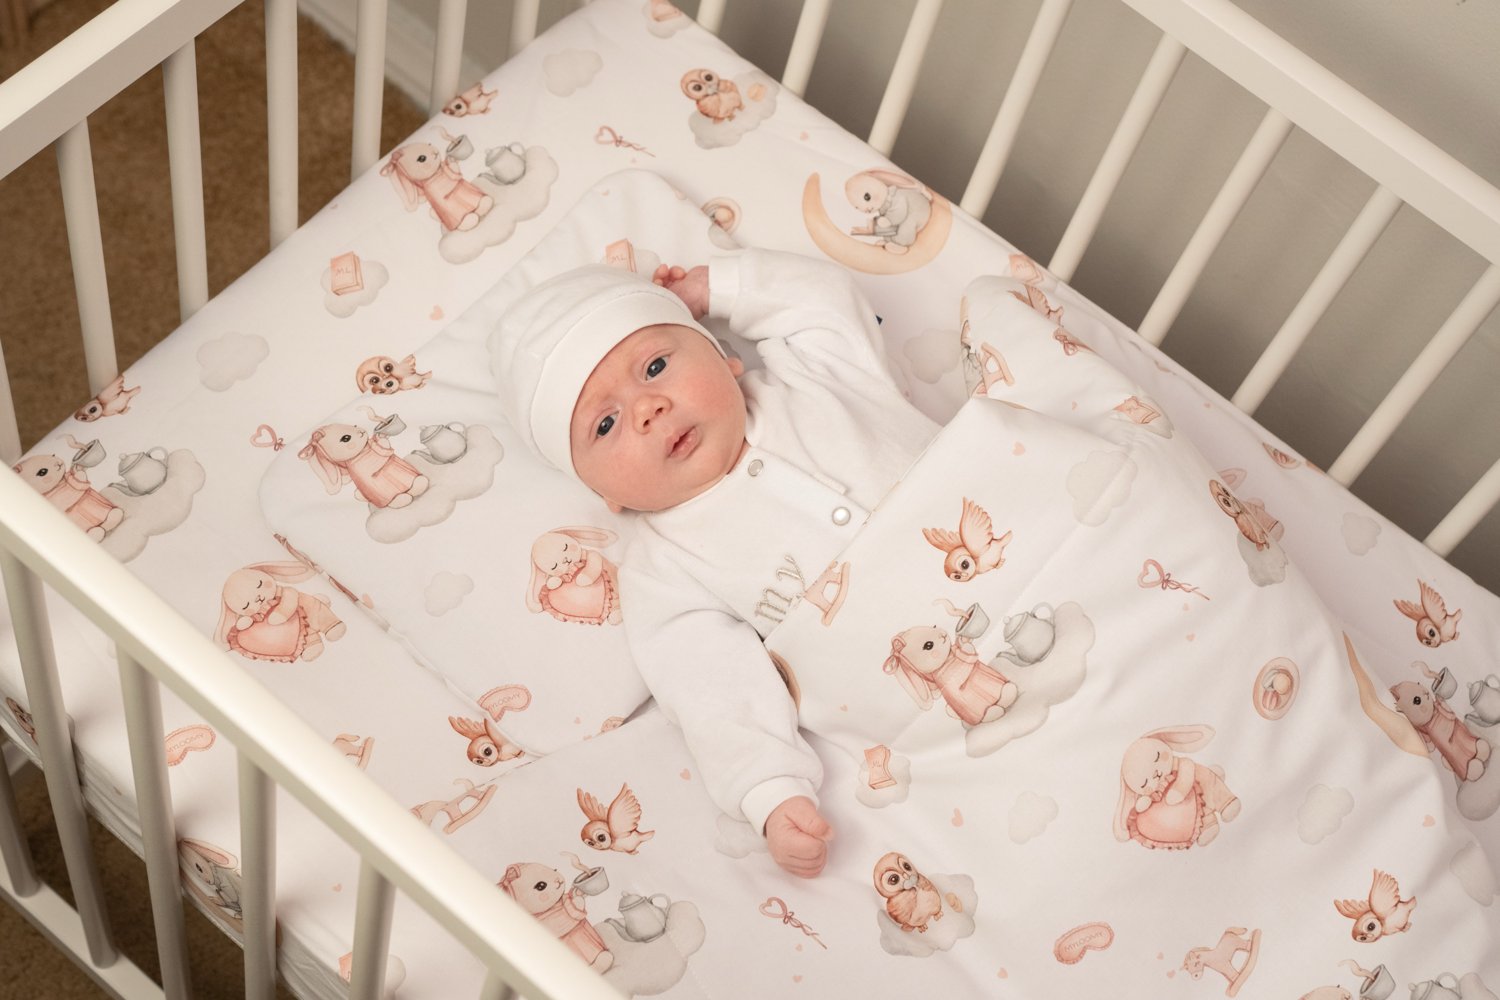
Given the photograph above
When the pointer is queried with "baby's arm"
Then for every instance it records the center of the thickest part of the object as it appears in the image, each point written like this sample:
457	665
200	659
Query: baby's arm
713	678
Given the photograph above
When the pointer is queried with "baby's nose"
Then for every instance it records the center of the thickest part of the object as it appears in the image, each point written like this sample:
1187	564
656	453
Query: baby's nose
648	408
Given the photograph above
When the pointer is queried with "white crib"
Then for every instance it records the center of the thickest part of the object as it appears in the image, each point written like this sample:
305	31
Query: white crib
49	103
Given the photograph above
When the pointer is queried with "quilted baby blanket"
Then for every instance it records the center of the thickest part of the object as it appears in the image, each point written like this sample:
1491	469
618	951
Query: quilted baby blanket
1087	732
1106	734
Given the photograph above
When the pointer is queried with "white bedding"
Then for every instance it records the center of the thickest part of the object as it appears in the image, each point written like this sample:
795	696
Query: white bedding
272	357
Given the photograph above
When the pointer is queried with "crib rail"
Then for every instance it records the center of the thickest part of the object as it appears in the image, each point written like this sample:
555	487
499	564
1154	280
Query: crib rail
38	545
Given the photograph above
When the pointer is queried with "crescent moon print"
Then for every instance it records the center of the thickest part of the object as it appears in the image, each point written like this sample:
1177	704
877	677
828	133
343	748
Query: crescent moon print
872	258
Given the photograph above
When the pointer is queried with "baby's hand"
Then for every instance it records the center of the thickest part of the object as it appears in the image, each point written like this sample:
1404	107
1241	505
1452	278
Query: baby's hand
689	286
798	837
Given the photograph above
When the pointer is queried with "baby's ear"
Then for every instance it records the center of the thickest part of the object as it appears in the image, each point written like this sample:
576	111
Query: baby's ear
736	366
614	508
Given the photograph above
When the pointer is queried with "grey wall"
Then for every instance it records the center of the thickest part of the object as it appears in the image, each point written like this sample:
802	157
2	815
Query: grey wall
1433	63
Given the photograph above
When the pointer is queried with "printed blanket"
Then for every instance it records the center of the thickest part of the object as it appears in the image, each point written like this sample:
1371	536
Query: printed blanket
1088	733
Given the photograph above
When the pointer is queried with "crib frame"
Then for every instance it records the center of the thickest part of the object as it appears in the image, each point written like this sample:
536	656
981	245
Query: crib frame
48	104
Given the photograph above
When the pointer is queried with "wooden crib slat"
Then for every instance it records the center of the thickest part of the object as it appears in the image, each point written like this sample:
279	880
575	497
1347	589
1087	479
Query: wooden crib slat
185	157
1451	336
372	934
805	42
448	53
1467	513
903	80
523	18
33	637
258	878
369	84
281	116
1002	134
15	853
1117	155
10	431
75	168
496	988
153	796
711	15
1247	172
1366	229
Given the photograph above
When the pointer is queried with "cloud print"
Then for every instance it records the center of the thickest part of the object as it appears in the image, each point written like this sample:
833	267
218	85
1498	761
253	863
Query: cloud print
1099	484
1322	813
447	591
449	482
231	358
570	69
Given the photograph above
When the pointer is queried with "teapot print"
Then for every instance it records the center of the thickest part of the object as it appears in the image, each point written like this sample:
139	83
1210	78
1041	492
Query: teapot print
1484	698
644	918
1030	634
444	442
143	471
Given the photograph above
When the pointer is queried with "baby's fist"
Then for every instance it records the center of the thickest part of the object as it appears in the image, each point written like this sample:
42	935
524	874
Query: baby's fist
798	837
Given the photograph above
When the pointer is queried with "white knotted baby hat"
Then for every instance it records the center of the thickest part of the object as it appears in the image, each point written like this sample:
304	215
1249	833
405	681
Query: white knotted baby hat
544	349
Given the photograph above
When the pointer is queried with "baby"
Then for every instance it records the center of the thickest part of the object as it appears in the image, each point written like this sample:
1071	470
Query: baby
746	484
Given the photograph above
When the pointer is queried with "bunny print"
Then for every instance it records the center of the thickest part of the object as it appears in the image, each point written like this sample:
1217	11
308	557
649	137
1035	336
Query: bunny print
541	892
1463	753
572	582
68	489
1169	801
898	206
926	663
418	171
264	619
341	453
213	874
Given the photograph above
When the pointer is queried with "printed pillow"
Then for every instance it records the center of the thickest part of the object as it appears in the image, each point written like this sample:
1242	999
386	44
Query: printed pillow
496	571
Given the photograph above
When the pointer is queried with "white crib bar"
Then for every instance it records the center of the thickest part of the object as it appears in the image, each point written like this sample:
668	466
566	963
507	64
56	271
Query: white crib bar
805	42
10	431
1262	148
258	879
523	16
448	53
185	158
1002	135
369	83
75	167
1451	336
372	934
281	116
1117	155
15	853
1467	513
903	81
711	15
148	764
1366	229
39	671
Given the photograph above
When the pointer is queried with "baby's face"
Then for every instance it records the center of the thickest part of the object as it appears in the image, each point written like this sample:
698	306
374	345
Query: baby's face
660	420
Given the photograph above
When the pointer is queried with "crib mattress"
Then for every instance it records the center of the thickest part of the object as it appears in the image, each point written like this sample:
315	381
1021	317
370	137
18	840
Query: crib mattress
196	424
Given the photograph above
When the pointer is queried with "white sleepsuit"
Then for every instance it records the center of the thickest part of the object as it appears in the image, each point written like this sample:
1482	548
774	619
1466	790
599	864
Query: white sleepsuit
704	582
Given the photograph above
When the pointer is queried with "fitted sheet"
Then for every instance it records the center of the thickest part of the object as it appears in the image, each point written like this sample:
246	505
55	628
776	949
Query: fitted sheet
276	352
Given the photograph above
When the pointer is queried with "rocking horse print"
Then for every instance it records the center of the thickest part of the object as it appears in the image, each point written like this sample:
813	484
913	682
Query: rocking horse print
1221	957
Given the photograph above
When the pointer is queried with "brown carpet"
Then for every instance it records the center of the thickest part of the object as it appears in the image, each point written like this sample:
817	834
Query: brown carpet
39	332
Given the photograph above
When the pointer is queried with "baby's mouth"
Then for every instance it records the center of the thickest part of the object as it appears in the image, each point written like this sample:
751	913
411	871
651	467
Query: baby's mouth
683	444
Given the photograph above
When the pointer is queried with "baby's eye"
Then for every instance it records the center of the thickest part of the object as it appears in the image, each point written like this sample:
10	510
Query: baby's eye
656	367
604	426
